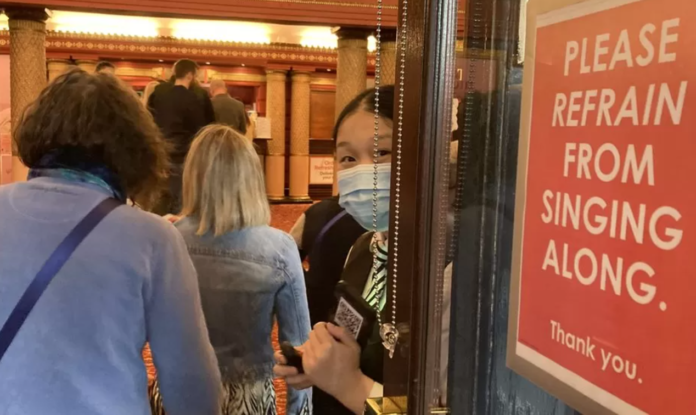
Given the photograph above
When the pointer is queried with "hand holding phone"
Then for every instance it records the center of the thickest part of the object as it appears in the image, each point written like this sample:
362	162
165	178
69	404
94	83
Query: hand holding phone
354	314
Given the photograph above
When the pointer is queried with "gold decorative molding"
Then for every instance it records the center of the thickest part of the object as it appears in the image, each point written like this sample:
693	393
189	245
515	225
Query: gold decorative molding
144	72
195	51
57	67
236	77
52	34
338	3
157	47
323	81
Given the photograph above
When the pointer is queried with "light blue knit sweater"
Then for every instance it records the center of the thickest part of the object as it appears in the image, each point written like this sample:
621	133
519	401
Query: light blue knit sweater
130	281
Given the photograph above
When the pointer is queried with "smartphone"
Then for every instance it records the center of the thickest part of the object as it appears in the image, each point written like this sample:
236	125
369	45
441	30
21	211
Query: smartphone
354	314
292	356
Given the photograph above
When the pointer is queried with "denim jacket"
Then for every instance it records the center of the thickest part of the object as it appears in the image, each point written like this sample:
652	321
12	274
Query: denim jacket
247	279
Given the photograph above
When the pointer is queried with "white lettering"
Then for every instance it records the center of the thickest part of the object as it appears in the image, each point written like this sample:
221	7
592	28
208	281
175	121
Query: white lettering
665	97
622	52
645	60
648	291
572	49
674	234
559	106
666	38
600	51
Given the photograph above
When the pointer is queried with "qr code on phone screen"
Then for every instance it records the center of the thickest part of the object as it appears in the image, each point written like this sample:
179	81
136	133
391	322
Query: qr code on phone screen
348	318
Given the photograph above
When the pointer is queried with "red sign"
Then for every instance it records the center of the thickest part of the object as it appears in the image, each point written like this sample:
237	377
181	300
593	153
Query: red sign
607	280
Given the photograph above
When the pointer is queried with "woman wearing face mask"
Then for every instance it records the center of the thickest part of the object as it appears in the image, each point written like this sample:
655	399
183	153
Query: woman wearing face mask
332	360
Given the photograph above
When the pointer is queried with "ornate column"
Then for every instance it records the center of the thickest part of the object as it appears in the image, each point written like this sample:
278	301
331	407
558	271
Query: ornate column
351	73
27	65
275	111
299	137
388	67
87	66
56	67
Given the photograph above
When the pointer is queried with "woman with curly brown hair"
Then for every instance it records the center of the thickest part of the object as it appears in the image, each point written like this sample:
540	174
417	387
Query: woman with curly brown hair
87	139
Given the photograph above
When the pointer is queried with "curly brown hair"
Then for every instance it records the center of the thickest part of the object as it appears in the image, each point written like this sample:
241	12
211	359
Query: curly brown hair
103	119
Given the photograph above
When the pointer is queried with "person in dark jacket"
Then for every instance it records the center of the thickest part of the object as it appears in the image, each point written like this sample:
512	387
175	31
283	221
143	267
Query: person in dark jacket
343	390
324	234
180	114
228	110
205	101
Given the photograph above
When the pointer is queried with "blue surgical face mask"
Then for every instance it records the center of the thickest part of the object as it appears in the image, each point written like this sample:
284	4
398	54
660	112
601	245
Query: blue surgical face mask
356	187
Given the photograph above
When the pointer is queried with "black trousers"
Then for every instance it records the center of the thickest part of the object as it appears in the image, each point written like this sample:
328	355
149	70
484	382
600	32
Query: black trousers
325	404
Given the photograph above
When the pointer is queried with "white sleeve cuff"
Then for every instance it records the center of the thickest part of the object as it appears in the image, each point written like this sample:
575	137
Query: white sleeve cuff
377	391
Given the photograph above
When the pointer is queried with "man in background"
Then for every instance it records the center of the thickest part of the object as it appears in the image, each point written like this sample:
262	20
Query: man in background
204	99
228	110
105	67
180	114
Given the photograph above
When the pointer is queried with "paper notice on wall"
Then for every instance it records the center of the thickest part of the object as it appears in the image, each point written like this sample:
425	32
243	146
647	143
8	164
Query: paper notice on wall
263	127
321	170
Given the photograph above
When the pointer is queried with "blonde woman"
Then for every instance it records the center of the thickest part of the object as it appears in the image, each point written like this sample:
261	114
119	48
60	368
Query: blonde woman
147	93
249	273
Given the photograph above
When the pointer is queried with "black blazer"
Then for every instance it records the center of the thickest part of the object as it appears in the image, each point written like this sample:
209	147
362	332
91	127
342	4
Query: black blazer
355	274
326	259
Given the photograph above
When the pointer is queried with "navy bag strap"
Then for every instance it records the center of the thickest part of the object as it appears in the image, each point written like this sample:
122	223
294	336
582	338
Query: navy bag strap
326	228
49	270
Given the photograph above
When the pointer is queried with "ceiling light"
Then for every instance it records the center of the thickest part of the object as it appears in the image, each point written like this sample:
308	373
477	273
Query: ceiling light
243	65
220	31
371	44
161	60
319	38
103	24
207	63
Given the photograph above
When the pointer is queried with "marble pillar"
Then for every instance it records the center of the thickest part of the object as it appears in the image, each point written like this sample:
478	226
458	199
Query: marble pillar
299	137
275	157
87	66
27	65
57	67
351	73
388	57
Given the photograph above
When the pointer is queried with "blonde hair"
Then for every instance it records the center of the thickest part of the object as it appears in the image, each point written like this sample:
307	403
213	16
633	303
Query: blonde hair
149	89
224	187
218	84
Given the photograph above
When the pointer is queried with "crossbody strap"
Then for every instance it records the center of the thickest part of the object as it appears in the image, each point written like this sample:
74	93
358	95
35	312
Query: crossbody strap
49	270
326	228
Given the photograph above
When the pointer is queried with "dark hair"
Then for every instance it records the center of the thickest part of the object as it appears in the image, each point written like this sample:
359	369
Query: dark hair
104	64
366	101
100	118
183	67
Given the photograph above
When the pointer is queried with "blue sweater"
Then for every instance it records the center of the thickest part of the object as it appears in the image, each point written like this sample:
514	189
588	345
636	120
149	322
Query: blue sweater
130	281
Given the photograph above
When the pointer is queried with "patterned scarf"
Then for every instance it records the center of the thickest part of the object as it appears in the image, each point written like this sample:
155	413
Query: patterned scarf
375	292
73	165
